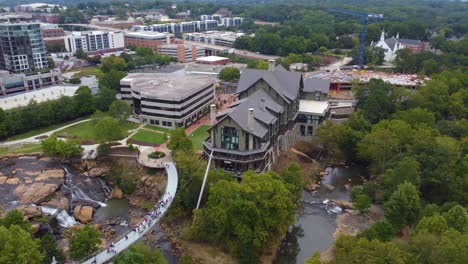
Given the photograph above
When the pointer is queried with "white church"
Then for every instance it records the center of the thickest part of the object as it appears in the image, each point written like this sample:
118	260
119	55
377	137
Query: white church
392	44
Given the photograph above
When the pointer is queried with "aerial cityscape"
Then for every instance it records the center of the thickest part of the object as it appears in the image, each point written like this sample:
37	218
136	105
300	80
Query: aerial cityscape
222	131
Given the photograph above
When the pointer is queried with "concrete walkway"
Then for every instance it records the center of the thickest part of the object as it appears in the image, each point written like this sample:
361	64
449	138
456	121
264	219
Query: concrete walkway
133	236
34	139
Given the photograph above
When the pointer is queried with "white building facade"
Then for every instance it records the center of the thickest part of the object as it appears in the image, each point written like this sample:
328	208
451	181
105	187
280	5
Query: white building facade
95	42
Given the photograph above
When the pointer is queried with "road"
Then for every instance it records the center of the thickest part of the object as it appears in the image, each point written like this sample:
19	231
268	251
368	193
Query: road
133	236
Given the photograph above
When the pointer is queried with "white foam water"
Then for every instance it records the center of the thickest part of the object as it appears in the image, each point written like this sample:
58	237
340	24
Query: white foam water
64	219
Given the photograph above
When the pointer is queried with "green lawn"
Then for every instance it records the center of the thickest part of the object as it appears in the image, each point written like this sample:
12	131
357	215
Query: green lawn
156	128
41	130
25	149
198	136
85	132
149	137
92	70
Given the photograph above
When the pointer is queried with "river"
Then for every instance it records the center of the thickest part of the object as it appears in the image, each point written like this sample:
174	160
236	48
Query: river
315	220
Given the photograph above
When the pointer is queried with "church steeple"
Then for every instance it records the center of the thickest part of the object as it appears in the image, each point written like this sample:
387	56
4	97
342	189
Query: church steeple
382	36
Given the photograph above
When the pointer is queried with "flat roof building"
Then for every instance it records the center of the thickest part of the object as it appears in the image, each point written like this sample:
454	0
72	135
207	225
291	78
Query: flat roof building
182	52
168	100
213	60
152	40
94	42
40	95
11	83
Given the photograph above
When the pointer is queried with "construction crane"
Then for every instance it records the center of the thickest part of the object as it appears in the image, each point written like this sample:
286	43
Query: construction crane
365	19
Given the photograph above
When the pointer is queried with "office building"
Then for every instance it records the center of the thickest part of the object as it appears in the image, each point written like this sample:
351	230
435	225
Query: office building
11	83
21	46
179	28
152	40
94	42
231	21
182	52
168	100
221	38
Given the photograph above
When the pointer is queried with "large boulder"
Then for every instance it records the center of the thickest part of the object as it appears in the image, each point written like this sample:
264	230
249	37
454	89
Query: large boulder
35	193
98	171
83	213
30	211
116	193
59	202
343	203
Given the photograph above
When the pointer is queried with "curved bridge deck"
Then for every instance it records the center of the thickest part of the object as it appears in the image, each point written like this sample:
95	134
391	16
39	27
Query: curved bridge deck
133	236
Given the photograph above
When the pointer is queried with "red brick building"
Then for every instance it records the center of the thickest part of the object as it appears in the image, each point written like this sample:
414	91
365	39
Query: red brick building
152	40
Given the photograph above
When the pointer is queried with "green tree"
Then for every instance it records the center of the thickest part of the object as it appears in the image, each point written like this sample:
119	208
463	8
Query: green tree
84	242
18	246
360	250
457	218
362	202
378	146
245	216
179	140
105	98
329	136
435	224
113	63
80	54
112	79
15	217
120	110
84	101
451	249
381	230
139	253
292	177
49	249
107	129
3	124
406	170
229	74
49	145
403	207
315	259
67	149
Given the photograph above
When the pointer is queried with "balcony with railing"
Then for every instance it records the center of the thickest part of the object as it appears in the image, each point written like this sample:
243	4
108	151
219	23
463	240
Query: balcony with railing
236	155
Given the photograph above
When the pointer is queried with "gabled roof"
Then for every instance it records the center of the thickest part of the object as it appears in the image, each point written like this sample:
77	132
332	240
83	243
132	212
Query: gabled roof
316	85
238	112
391	42
285	83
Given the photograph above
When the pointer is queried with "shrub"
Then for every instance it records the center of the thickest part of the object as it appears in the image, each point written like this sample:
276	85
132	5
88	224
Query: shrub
157	155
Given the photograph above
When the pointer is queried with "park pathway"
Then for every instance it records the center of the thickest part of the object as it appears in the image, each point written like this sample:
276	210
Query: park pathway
133	236
34	139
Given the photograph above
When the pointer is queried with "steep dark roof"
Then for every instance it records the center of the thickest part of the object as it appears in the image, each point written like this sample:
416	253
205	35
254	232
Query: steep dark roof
315	84
391	42
409	41
238	112
285	83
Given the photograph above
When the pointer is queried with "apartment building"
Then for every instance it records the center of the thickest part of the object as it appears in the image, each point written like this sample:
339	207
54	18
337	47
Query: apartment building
179	28
168	100
232	21
51	31
182	52
221	38
95	42
21	46
250	134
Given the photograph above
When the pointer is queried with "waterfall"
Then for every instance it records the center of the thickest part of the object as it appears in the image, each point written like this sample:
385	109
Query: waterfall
76	192
64	219
107	190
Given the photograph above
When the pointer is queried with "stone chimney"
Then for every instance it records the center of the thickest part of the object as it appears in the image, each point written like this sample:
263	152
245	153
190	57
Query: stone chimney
250	119
262	104
271	65
212	114
168	39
